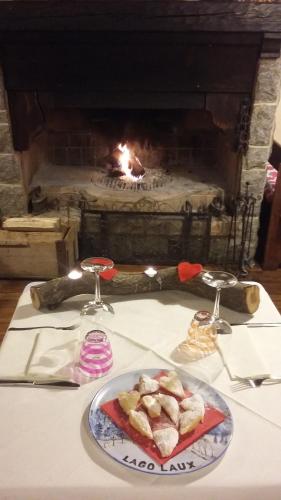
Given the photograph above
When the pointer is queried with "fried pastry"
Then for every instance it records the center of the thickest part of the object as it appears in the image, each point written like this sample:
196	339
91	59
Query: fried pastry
194	402
166	440
152	406
139	421
128	400
147	385
172	383
170	405
189	420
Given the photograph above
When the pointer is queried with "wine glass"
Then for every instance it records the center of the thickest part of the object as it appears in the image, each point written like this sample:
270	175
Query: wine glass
97	265
219	280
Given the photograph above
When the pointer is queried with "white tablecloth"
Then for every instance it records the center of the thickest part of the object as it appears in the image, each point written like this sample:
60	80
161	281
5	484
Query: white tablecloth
46	451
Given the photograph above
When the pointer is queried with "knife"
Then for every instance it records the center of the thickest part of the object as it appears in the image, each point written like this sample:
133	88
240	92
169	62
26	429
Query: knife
256	325
66	384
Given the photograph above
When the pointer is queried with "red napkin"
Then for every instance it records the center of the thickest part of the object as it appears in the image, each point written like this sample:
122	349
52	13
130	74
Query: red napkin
187	271
212	418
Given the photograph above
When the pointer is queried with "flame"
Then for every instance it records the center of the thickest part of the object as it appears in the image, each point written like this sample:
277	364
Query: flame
125	159
125	162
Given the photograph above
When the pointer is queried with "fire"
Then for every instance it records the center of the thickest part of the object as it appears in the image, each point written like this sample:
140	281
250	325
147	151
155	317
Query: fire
125	159
129	162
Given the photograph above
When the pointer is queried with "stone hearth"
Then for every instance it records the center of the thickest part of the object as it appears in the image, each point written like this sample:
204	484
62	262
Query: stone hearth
68	186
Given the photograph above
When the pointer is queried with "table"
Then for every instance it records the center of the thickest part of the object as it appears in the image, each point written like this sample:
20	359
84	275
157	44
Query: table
46	451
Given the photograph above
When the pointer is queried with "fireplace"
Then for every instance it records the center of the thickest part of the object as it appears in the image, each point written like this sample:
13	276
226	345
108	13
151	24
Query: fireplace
190	103
116	157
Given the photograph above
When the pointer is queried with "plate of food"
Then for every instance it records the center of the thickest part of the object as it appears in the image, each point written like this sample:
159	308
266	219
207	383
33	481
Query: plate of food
160	422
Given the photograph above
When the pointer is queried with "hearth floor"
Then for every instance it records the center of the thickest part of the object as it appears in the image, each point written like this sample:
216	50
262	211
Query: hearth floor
69	184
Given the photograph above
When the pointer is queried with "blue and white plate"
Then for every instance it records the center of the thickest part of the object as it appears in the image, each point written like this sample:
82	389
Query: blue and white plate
117	444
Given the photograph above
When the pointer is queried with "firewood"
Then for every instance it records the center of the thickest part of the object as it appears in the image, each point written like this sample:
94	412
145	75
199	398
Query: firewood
31	223
113	164
136	167
113	161
243	298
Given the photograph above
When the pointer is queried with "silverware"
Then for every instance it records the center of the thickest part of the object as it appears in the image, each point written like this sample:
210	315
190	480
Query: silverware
66	384
254	382
256	325
16	328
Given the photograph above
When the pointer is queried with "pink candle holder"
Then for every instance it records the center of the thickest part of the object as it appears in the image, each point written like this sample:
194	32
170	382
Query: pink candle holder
95	355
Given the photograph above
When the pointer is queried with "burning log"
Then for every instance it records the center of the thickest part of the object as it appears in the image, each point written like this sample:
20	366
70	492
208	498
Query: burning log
243	298
136	167
123	162
113	163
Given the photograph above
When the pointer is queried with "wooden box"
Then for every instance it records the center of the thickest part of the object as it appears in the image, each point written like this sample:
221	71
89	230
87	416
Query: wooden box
37	254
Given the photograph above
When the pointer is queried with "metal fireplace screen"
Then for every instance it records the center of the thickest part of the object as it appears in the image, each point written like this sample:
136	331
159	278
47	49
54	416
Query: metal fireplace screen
147	237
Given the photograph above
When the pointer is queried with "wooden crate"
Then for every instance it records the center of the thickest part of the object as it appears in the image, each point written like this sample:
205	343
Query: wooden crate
37	254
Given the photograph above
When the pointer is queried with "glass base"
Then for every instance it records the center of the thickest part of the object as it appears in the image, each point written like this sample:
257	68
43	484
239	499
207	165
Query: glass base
222	326
93	307
219	279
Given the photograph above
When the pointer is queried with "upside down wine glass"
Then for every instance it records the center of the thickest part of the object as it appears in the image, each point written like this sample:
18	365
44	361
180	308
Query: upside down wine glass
96	265
219	280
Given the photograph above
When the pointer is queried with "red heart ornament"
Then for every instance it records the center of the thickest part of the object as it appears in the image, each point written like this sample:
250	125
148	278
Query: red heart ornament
187	271
109	274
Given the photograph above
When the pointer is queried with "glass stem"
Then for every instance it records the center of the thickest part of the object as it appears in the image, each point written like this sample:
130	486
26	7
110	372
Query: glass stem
97	288
216	312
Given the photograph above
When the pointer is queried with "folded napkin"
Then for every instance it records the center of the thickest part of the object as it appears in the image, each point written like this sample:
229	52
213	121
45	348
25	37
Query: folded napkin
40	354
251	352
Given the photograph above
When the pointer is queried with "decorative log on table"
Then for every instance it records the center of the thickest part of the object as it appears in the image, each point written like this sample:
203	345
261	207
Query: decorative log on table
241	297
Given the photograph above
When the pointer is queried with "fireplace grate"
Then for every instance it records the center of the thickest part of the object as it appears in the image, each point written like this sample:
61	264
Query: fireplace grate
153	180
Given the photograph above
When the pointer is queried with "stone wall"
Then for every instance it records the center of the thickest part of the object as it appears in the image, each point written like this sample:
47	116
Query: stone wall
262	125
12	194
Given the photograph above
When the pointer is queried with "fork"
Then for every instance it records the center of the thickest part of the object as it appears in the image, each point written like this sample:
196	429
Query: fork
253	382
68	327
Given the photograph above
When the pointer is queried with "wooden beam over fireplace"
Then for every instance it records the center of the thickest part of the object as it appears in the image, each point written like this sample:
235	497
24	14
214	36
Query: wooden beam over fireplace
141	15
